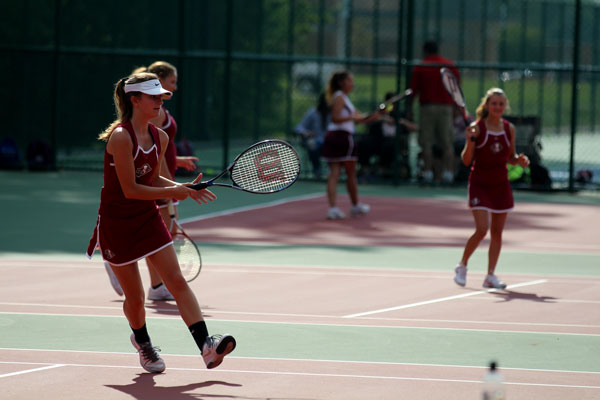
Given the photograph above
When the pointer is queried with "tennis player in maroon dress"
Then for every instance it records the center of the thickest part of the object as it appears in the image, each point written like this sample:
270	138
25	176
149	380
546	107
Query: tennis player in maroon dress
489	146
167	75
129	226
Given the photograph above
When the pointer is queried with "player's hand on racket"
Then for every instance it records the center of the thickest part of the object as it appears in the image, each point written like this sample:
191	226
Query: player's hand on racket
472	133
360	118
181	192
201	196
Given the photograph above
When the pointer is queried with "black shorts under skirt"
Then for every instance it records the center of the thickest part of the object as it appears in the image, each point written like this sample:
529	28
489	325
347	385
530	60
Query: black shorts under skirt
339	146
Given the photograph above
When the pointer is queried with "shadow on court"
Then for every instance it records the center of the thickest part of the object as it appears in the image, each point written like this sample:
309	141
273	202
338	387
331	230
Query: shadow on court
170	308
399	222
510	295
144	387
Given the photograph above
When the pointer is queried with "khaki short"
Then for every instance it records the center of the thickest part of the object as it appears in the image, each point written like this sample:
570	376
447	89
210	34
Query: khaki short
436	126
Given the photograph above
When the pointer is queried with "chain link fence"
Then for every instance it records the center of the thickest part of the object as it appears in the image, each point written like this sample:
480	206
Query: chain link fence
249	70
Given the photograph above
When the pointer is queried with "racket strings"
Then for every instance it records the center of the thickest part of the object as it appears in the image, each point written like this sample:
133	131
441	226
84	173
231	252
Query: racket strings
187	255
266	168
452	86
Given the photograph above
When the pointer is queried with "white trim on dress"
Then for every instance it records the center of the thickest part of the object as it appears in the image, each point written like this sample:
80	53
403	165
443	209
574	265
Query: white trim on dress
139	258
112	164
493	211
494	133
167	125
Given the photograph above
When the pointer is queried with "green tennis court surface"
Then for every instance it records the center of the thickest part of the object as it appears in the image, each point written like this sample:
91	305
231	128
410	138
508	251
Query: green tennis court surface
343	343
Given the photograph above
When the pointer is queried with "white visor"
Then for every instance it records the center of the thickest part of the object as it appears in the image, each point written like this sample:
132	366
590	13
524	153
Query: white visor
152	87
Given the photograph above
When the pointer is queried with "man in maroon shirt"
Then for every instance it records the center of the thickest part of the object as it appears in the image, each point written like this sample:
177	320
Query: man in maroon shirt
435	111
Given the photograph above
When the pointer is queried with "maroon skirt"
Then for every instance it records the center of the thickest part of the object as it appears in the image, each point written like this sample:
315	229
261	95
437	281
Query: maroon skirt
339	146
126	240
495	198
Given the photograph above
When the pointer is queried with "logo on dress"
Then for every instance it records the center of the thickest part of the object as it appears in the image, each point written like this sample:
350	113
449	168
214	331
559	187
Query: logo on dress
474	201
143	170
496	147
108	254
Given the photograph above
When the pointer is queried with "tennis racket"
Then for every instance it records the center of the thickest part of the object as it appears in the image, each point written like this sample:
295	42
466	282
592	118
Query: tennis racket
399	97
451	84
387	105
188	254
265	167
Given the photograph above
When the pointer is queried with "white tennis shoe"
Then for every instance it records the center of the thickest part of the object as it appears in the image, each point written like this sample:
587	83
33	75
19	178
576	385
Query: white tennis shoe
113	279
360	209
492	282
215	348
161	293
335	213
447	177
460	276
149	358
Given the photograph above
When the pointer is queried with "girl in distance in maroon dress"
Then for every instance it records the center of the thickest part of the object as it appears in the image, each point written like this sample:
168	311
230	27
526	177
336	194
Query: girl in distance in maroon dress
490	144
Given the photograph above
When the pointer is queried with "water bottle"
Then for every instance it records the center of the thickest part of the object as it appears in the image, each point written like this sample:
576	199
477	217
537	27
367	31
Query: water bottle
493	386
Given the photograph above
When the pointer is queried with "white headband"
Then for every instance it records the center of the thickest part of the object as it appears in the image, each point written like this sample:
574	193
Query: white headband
152	87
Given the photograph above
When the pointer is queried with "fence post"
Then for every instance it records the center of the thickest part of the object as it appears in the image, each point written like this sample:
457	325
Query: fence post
55	79
399	86
181	27
574	83
410	37
227	80
289	65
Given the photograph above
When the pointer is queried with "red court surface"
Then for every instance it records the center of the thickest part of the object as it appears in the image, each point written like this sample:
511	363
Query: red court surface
320	296
573	304
406	222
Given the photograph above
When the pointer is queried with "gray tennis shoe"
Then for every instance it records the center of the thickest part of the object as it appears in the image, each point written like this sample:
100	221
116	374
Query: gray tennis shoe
493	282
215	348
149	358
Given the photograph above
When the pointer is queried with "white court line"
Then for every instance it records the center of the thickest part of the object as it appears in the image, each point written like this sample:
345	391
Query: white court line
345	325
459	296
300	360
287	315
251	208
323	375
31	370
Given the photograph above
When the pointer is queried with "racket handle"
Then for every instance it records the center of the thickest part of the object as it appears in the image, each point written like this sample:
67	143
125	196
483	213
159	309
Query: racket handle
171	209
200	186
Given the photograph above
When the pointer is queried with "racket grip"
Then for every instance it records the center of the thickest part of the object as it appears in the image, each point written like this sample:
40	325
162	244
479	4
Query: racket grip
200	185
171	209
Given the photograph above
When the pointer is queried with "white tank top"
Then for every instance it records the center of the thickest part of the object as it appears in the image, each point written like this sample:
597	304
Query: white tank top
347	111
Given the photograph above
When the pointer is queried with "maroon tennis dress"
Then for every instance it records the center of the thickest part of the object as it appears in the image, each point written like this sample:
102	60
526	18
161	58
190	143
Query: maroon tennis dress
128	230
489	188
170	128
